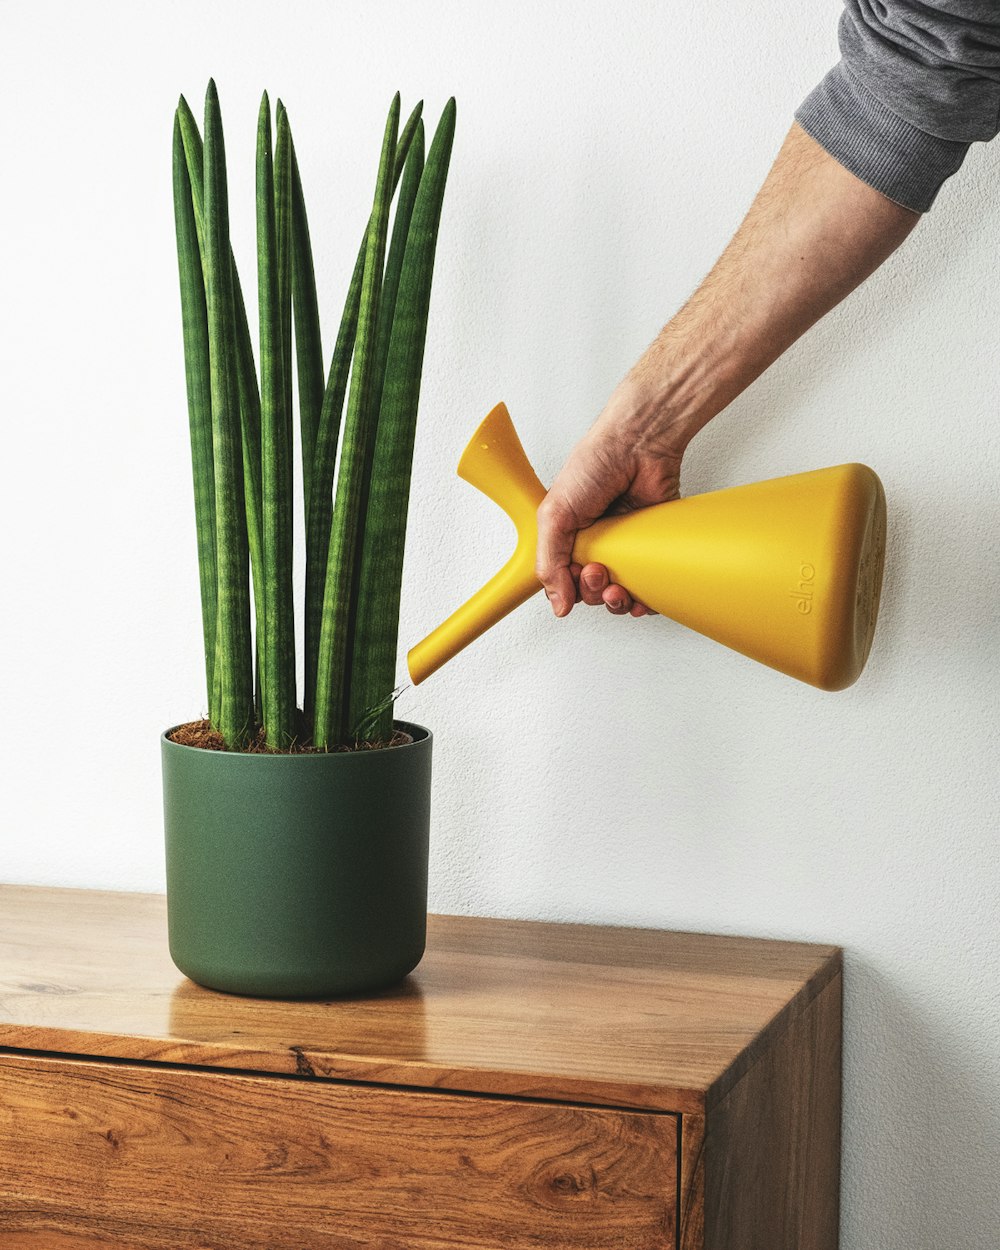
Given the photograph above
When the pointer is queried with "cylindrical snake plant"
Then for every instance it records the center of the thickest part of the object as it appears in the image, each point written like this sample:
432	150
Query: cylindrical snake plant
355	468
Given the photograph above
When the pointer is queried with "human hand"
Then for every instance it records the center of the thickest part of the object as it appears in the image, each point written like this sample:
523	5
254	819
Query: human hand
629	459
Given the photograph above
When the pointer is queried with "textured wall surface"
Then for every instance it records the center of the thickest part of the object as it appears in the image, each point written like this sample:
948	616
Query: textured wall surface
598	770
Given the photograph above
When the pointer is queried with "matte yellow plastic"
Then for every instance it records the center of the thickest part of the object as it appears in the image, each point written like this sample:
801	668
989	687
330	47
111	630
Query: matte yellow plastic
787	571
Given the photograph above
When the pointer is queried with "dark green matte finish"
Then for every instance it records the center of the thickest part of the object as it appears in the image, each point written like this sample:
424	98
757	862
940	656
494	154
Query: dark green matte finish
297	876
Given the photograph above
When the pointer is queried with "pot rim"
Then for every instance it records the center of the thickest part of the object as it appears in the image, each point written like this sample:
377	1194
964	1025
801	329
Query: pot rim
421	735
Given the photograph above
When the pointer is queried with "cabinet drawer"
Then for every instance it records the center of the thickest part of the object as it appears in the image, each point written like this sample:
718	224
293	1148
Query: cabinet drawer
97	1154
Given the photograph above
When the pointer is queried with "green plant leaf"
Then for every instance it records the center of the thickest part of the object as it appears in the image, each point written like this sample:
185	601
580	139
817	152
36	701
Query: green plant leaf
249	395
308	338
412	172
377	626
194	316
320	516
250	421
283	225
346	534
278	647
233	655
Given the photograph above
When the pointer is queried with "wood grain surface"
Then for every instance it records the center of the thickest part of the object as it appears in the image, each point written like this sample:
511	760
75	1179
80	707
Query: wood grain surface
772	1145
691	1184
137	1157
621	1017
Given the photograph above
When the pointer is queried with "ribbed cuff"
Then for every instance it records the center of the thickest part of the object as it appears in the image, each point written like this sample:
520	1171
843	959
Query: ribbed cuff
904	163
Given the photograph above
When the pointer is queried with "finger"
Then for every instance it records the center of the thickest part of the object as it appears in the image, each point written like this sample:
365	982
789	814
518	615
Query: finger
594	581
617	600
639	609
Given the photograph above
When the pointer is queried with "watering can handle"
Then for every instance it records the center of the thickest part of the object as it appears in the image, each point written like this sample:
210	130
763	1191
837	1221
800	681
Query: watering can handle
495	463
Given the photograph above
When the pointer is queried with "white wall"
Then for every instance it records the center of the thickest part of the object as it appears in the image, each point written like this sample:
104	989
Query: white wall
597	770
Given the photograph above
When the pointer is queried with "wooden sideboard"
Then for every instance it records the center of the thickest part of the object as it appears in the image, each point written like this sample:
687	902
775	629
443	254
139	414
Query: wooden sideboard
530	1085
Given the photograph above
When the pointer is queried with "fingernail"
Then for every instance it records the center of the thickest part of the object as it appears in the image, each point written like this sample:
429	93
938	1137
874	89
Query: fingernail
593	581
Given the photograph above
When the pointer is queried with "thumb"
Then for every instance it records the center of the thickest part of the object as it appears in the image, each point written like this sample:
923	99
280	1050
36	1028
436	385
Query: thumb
594	475
557	527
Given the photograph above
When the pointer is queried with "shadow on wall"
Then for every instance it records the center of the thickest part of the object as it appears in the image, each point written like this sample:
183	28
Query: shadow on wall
921	1121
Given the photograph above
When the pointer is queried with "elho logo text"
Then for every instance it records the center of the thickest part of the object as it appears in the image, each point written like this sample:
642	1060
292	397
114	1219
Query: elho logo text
803	592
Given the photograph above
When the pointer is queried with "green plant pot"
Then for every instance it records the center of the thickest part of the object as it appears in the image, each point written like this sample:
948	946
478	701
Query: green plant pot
297	876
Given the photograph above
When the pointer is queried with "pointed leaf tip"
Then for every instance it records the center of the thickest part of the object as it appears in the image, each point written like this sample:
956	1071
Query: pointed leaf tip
185	109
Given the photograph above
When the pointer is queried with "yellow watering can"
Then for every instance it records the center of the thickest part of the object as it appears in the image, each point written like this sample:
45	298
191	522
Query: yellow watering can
788	571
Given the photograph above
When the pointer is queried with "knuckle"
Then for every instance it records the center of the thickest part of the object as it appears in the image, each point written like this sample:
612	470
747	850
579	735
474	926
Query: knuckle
551	512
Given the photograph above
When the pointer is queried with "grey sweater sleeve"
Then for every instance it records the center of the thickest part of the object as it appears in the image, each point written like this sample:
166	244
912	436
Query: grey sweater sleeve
917	83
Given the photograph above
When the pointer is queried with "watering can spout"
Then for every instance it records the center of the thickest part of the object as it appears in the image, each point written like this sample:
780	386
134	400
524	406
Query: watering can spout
787	571
494	462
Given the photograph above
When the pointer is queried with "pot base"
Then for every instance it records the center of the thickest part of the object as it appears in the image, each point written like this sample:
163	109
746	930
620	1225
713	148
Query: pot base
281	983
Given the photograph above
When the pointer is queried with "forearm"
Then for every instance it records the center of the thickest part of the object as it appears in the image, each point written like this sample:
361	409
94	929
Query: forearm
813	233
